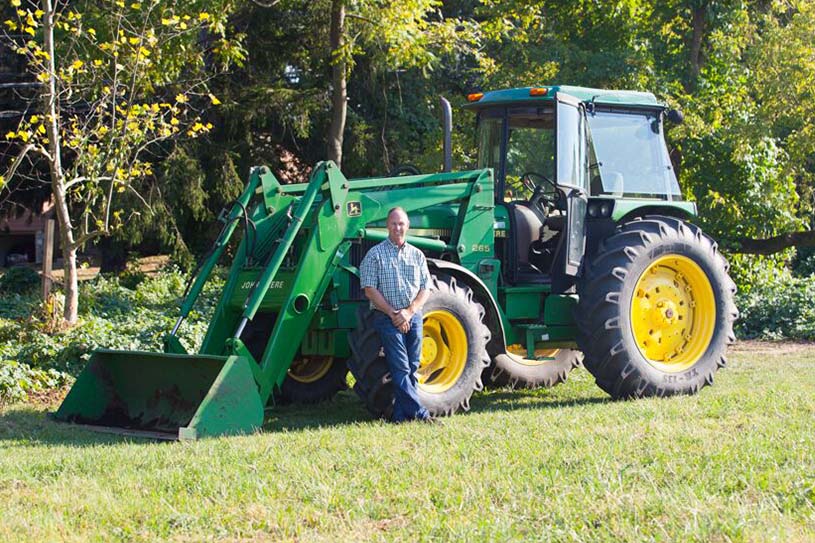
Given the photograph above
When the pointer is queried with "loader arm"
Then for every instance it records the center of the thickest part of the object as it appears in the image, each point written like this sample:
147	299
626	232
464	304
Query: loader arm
339	212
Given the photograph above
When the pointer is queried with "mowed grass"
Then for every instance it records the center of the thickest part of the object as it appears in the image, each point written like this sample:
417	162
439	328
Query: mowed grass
735	463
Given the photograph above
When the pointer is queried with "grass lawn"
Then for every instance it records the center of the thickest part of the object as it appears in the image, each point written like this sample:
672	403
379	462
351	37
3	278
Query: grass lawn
735	463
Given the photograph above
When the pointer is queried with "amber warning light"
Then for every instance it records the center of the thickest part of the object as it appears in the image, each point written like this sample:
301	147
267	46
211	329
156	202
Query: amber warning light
538	91
475	97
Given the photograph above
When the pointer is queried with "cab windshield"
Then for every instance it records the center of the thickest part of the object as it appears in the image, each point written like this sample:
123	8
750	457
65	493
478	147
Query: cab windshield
631	156
530	147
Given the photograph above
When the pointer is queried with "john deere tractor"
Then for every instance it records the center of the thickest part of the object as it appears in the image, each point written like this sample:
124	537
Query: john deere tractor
570	241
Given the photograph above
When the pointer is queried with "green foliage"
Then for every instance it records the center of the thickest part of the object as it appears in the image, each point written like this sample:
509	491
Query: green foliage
113	316
778	306
20	279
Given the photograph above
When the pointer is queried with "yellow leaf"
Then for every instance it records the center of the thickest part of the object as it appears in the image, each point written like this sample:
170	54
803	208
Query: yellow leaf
181	99
77	64
209	126
174	121
10	135
11	24
92	32
97	62
21	13
214	100
135	5
34	119
2	181
42	77
203	16
24	135
183	26
41	129
39	13
134	41
16	3
29	30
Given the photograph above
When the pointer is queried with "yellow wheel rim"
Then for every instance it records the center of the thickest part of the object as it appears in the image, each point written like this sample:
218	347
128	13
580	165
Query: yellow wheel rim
444	351
310	368
673	313
542	356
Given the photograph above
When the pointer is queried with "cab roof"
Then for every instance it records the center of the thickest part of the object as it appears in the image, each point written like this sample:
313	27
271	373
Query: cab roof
522	96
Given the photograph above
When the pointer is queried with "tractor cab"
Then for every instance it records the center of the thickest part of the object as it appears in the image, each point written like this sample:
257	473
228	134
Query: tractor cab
562	157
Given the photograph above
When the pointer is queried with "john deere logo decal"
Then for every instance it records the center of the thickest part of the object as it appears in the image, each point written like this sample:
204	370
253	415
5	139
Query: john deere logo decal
354	209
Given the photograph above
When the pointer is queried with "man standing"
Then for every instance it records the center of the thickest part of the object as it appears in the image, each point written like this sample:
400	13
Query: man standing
395	277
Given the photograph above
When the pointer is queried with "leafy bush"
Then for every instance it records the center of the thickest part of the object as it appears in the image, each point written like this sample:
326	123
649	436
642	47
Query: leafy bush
781	307
21	279
33	358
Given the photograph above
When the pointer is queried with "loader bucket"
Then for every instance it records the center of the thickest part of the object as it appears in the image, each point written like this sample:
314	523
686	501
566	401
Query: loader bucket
168	396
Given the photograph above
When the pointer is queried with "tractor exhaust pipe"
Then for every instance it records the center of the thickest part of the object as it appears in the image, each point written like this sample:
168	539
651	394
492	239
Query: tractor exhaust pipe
447	127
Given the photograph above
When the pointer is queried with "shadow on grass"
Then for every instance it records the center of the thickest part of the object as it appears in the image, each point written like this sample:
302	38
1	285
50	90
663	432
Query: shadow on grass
32	426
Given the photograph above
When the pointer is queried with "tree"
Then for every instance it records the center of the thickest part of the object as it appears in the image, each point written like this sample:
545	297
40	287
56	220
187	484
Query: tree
400	35
118	80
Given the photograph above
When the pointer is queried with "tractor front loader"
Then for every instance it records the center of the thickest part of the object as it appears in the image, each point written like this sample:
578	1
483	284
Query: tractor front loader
299	236
570	243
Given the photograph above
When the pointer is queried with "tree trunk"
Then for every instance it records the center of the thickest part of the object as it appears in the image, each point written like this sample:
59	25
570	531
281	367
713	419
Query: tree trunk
699	24
338	90
66	237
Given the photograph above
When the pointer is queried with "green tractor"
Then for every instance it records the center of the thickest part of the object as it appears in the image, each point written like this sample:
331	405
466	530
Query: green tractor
570	242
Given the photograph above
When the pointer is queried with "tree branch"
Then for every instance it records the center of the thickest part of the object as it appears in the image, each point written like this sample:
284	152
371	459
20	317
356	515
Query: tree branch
85	238
774	244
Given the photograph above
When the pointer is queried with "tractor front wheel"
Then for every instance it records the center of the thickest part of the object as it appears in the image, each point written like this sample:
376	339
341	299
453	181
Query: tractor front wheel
453	355
313	379
656	310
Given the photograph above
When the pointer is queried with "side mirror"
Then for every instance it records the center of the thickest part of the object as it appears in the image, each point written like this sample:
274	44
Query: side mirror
675	116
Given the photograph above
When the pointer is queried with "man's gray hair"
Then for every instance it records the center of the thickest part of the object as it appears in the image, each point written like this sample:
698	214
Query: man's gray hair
395	209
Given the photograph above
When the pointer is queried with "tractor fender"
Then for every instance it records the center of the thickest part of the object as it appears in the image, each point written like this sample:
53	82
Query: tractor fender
670	211
498	343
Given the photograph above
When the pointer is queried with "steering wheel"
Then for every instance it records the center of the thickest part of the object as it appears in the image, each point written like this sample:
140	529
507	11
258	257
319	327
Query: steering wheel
542	201
404	169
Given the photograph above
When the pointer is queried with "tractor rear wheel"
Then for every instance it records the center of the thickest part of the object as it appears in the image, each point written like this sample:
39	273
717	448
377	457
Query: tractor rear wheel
549	368
656	310
453	356
313	379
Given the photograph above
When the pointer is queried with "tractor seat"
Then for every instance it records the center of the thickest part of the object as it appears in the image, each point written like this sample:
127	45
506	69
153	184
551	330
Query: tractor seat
555	222
527	230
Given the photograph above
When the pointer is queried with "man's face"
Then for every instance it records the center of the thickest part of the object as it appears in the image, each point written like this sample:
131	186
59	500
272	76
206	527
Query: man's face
398	225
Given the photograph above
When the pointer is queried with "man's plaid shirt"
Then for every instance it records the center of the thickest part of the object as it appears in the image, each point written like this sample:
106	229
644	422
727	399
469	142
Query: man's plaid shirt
399	273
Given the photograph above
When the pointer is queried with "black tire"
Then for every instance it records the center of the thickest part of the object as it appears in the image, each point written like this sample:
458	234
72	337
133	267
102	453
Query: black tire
686	264
513	371
306	385
370	369
302	388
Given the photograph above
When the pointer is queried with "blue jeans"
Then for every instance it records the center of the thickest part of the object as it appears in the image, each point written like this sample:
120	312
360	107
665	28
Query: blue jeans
402	352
